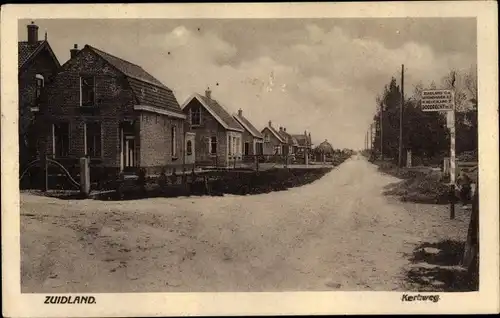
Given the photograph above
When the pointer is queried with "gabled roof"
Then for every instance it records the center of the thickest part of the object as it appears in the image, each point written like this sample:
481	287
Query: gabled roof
288	138
217	111
302	140
129	69
248	126
147	90
275	133
27	51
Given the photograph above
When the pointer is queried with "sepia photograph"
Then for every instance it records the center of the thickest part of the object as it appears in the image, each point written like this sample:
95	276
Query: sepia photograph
185	155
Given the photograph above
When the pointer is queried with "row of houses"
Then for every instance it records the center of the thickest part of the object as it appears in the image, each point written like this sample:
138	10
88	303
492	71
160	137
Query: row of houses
121	117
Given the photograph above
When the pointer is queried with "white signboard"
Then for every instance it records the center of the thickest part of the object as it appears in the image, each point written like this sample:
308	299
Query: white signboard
437	100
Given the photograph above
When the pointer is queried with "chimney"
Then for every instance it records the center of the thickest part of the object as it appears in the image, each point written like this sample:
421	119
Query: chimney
284	129
305	133
240	112
208	93
32	33
281	128
73	51
270	124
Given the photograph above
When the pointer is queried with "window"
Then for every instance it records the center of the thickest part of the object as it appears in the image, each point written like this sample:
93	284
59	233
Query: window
246	151
196	116
230	145
40	83
174	142
213	145
87	91
267	138
234	146
260	148
189	148
60	139
238	150
277	150
93	139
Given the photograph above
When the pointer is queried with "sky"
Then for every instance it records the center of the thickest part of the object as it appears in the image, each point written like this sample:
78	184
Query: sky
316	75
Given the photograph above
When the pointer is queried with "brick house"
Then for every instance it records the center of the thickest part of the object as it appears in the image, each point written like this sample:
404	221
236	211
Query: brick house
252	138
217	136
273	141
290	143
304	145
114	112
37	64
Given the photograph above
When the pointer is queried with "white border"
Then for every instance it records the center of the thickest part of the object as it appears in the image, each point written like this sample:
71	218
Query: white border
180	304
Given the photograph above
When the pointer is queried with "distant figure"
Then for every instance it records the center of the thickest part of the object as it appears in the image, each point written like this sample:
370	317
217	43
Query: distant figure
464	187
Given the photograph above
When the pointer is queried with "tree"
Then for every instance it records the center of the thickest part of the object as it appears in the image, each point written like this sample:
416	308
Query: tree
464	83
388	103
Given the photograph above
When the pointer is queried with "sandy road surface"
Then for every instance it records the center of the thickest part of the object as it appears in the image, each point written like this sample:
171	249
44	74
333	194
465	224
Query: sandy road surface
338	233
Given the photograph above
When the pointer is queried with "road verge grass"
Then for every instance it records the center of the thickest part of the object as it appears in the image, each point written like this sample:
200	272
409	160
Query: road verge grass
418	185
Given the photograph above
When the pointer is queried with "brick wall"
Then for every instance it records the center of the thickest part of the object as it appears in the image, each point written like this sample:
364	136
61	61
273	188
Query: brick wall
114	101
156	142
273	142
43	64
209	127
248	138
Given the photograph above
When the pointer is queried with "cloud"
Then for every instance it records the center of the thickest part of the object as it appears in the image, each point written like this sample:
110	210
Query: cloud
325	83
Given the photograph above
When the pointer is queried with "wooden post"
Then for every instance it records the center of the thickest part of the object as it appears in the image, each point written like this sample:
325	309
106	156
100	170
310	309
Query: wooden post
84	176
382	132
46	173
400	158
452	157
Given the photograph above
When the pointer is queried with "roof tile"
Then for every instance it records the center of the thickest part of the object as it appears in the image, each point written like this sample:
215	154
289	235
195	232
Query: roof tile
26	50
221	112
247	124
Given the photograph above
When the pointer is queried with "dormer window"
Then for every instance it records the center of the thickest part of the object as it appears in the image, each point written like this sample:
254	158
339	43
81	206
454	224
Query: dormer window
87	91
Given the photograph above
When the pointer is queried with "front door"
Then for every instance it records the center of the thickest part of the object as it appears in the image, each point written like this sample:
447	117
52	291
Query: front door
247	148
190	148
129	151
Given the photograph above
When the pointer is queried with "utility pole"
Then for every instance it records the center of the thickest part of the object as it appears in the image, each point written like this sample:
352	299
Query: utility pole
382	131
371	137
400	158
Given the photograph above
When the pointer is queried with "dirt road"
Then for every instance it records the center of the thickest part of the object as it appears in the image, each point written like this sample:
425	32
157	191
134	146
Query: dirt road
338	233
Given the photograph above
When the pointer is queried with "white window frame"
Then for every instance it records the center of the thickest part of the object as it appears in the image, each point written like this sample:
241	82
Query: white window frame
85	141
174	141
69	137
267	138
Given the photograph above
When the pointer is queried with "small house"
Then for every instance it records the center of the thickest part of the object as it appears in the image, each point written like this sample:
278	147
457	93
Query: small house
217	135
273	141
113	112
252	138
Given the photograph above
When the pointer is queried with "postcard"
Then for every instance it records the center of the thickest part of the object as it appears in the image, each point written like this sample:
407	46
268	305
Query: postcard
249	159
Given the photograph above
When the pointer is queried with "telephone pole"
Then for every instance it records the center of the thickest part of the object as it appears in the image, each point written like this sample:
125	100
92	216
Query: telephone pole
382	131
400	158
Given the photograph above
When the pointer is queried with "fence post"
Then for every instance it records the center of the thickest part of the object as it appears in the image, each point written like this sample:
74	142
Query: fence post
452	200
84	176
45	174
